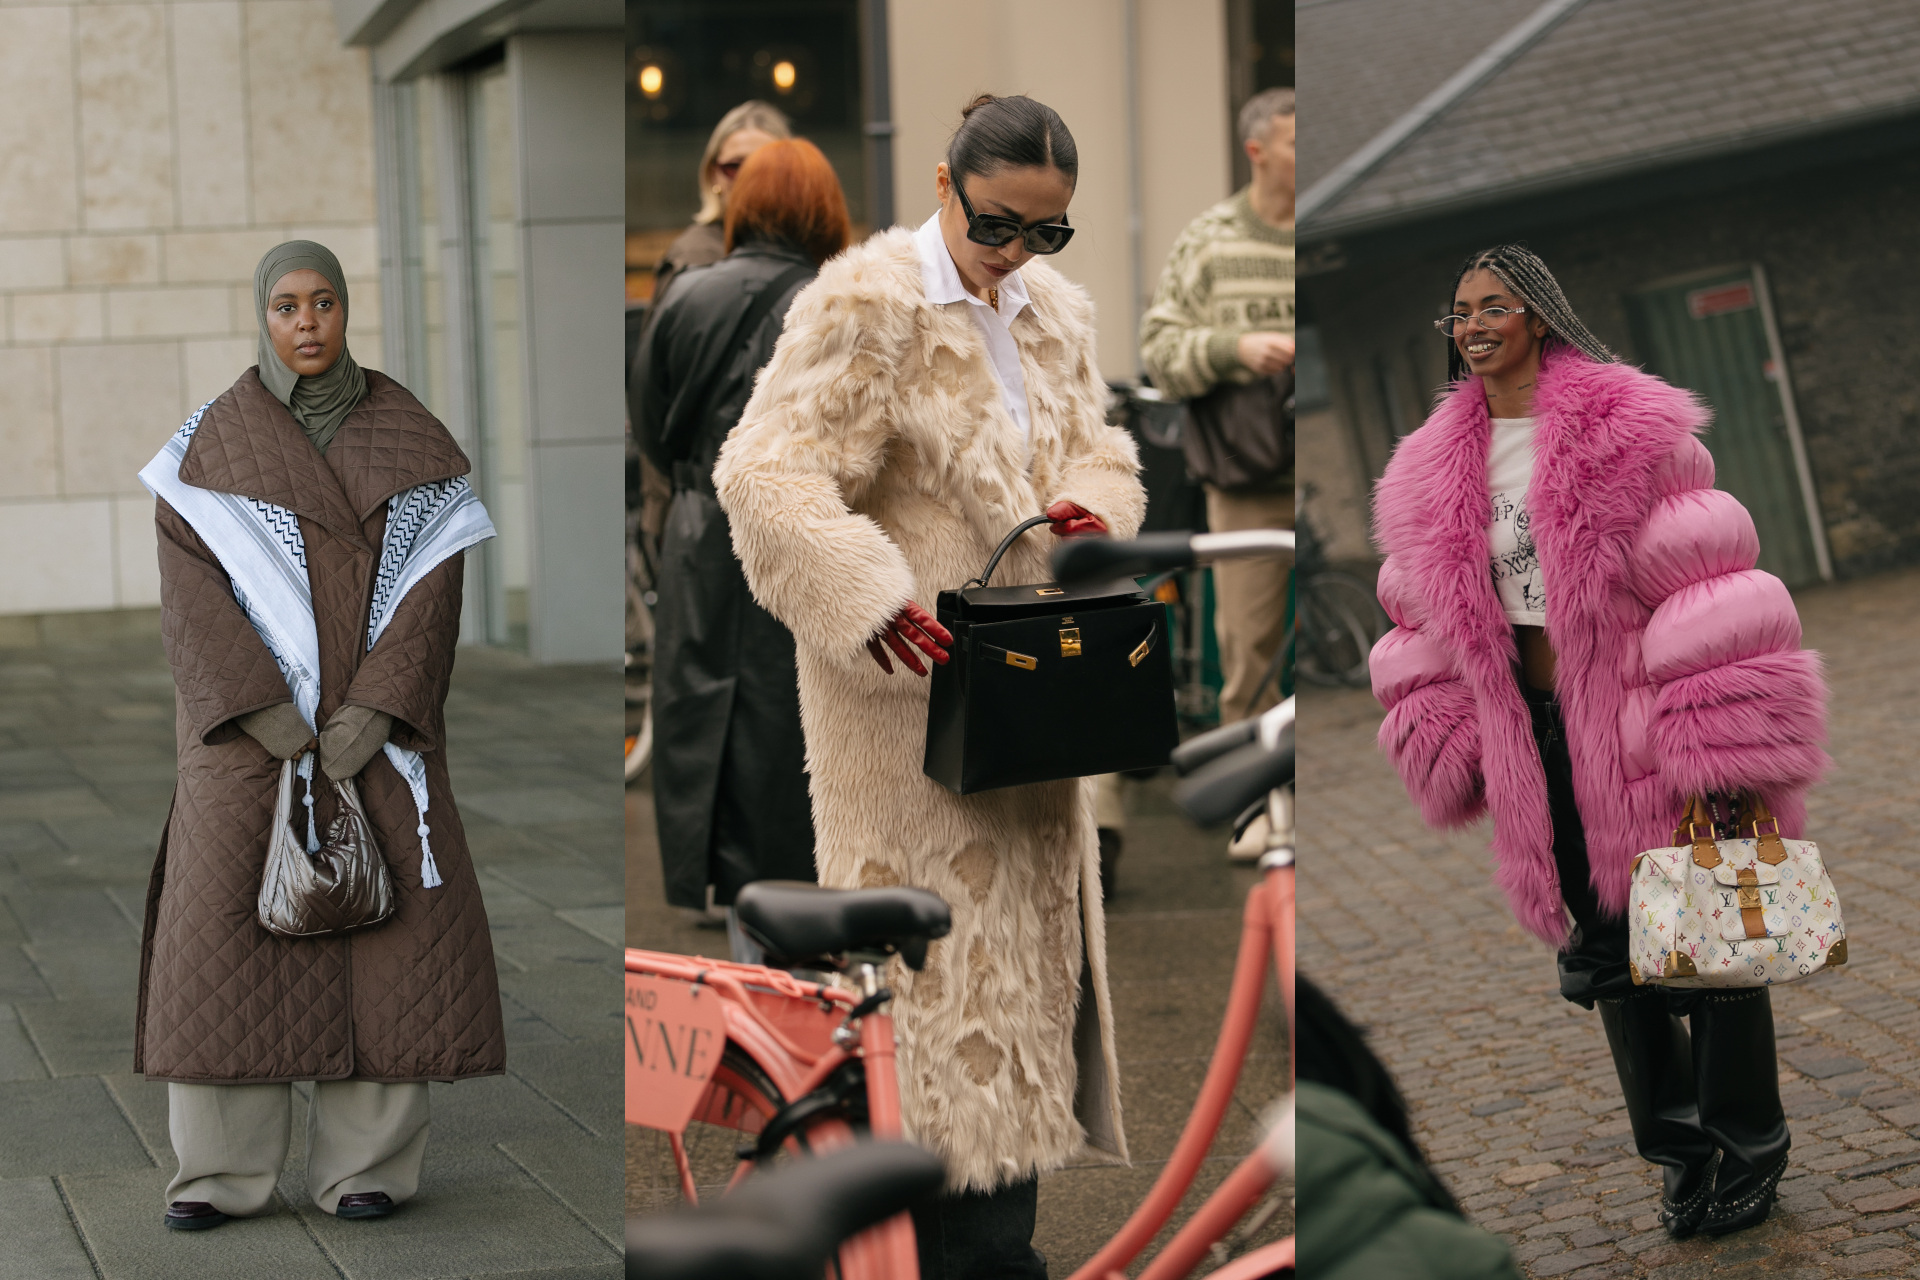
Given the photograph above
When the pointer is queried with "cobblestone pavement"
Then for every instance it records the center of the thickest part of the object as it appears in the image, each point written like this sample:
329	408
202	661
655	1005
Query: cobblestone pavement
1173	929
1512	1089
521	1170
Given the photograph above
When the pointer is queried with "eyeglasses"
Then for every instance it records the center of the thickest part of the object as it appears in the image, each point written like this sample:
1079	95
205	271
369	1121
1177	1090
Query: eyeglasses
992	229
729	169
1491	318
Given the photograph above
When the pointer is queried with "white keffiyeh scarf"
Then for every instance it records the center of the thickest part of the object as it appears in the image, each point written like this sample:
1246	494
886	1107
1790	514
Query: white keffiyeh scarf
263	552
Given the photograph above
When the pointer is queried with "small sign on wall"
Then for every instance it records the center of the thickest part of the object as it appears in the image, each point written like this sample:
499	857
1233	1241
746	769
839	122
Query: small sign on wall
1719	299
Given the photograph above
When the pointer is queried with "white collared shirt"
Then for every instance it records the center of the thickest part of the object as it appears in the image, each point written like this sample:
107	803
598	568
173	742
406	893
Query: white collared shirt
941	279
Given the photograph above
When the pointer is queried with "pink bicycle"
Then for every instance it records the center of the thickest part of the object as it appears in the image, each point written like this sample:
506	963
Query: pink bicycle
798	1068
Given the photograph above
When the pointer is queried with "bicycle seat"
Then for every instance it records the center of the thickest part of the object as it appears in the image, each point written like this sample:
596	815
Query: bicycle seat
784	1225
803	924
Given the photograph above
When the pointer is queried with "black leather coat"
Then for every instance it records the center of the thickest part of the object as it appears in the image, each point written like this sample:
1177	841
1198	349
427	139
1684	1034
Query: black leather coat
729	781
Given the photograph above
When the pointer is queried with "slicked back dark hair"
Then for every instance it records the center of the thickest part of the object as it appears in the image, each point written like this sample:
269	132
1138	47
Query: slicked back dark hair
1526	278
1017	132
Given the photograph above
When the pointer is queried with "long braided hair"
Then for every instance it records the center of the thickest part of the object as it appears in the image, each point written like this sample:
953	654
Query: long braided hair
1527	278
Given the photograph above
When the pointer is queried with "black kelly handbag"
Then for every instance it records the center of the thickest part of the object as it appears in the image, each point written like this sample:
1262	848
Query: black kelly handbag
1049	681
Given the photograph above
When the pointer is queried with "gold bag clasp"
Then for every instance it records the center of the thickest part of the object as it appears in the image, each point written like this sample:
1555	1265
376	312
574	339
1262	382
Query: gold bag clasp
1070	642
1021	660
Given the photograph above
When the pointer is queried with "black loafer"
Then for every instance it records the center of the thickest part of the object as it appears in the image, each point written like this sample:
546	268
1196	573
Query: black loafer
365	1204
193	1215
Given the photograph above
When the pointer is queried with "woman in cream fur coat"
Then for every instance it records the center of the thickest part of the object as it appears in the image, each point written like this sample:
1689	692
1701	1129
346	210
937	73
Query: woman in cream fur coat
930	391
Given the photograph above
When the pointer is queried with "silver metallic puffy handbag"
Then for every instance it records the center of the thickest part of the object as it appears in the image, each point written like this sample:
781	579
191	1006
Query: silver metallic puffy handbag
341	886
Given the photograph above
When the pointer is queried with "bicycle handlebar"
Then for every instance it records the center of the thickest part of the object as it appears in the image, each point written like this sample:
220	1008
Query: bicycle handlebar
1227	785
784	1225
1081	559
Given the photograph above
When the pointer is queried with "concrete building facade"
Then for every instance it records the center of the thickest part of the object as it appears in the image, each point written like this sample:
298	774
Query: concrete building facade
462	161
149	153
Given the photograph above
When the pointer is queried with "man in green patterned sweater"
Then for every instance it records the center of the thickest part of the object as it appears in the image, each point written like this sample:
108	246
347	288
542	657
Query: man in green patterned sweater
1224	313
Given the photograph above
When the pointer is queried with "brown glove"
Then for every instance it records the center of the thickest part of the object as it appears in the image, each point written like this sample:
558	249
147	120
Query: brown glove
352	737
278	728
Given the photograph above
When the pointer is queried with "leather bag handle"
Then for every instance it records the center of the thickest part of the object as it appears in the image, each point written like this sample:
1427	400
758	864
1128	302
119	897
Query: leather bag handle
1773	850
1001	550
1696	829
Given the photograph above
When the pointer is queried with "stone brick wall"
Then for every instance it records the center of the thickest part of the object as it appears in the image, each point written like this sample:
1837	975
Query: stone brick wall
1841	249
149	153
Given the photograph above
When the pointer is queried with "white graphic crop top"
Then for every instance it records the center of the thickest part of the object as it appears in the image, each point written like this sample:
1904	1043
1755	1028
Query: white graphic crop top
1516	563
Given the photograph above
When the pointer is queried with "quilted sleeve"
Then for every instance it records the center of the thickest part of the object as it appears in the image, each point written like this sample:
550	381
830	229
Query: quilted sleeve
407	671
1737	702
221	667
818	426
1432	731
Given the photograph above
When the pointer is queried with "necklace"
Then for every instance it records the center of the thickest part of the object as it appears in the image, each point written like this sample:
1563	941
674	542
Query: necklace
993	297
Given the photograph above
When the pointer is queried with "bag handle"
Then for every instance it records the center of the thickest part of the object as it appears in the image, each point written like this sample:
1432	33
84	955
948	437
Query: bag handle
1696	828
1001	550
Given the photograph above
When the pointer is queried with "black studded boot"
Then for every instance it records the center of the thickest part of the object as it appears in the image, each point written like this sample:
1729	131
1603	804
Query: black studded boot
1651	1056
1737	1076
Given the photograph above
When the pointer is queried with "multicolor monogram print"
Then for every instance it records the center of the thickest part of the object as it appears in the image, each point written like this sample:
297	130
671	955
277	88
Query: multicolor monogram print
1678	907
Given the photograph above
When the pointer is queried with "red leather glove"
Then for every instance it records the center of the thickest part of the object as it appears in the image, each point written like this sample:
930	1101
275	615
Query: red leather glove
911	628
1071	520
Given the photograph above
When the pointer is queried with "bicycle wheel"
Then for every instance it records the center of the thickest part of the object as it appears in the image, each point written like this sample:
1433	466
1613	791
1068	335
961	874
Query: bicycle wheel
1335	637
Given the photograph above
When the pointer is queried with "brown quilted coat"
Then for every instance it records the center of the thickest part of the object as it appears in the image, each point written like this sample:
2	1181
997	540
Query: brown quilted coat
221	999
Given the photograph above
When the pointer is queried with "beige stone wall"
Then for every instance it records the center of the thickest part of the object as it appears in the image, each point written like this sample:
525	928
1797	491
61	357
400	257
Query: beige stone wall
1071	55
149	153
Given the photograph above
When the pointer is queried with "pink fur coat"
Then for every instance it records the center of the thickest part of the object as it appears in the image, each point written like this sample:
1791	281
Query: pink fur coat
1679	664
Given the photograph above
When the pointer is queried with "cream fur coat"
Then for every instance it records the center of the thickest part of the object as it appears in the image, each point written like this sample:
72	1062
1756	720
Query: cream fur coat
875	464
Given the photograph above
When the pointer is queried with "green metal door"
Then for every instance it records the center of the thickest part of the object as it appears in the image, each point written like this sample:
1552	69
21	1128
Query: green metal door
1712	334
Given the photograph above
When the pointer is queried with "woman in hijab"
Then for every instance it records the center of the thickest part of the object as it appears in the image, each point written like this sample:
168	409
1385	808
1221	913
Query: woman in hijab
312	521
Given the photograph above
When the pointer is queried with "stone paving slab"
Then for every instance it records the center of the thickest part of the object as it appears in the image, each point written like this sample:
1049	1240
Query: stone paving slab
1512	1089
522	1171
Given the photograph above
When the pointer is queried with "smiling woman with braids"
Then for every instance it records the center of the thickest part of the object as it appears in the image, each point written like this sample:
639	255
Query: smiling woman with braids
1583	643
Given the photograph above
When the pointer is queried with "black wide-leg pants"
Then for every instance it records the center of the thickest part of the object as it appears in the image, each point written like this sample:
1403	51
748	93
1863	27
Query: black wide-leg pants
1687	1096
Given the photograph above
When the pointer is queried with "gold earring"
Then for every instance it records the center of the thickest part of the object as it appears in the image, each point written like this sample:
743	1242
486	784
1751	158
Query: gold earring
718	189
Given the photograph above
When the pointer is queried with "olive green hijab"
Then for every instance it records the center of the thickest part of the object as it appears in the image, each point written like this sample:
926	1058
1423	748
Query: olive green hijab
320	403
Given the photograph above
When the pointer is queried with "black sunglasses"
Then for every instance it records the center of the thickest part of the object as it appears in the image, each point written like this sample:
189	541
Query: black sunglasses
992	229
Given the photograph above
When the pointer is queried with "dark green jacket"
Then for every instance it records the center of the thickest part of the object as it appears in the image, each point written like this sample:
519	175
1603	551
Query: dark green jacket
1369	1211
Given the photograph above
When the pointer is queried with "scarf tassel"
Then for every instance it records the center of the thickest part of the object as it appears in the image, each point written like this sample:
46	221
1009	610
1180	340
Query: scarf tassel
429	872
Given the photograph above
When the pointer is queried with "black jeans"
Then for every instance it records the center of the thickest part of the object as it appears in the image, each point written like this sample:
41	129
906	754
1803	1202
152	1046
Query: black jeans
981	1236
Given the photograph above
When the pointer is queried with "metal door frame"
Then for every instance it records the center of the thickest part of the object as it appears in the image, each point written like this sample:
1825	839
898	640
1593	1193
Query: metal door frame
1783	384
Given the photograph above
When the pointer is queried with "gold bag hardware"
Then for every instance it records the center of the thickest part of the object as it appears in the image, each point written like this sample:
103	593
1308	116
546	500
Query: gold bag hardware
1139	652
1837	954
1679	965
1069	641
1051	591
1021	660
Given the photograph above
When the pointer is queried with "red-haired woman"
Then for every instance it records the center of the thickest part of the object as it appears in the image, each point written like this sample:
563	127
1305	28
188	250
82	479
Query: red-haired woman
729	783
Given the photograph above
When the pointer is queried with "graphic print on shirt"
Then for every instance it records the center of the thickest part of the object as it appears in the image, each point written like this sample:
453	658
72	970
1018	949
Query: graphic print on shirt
1516	561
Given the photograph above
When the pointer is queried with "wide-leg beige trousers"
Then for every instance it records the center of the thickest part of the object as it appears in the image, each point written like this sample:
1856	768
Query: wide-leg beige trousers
1250	601
232	1140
